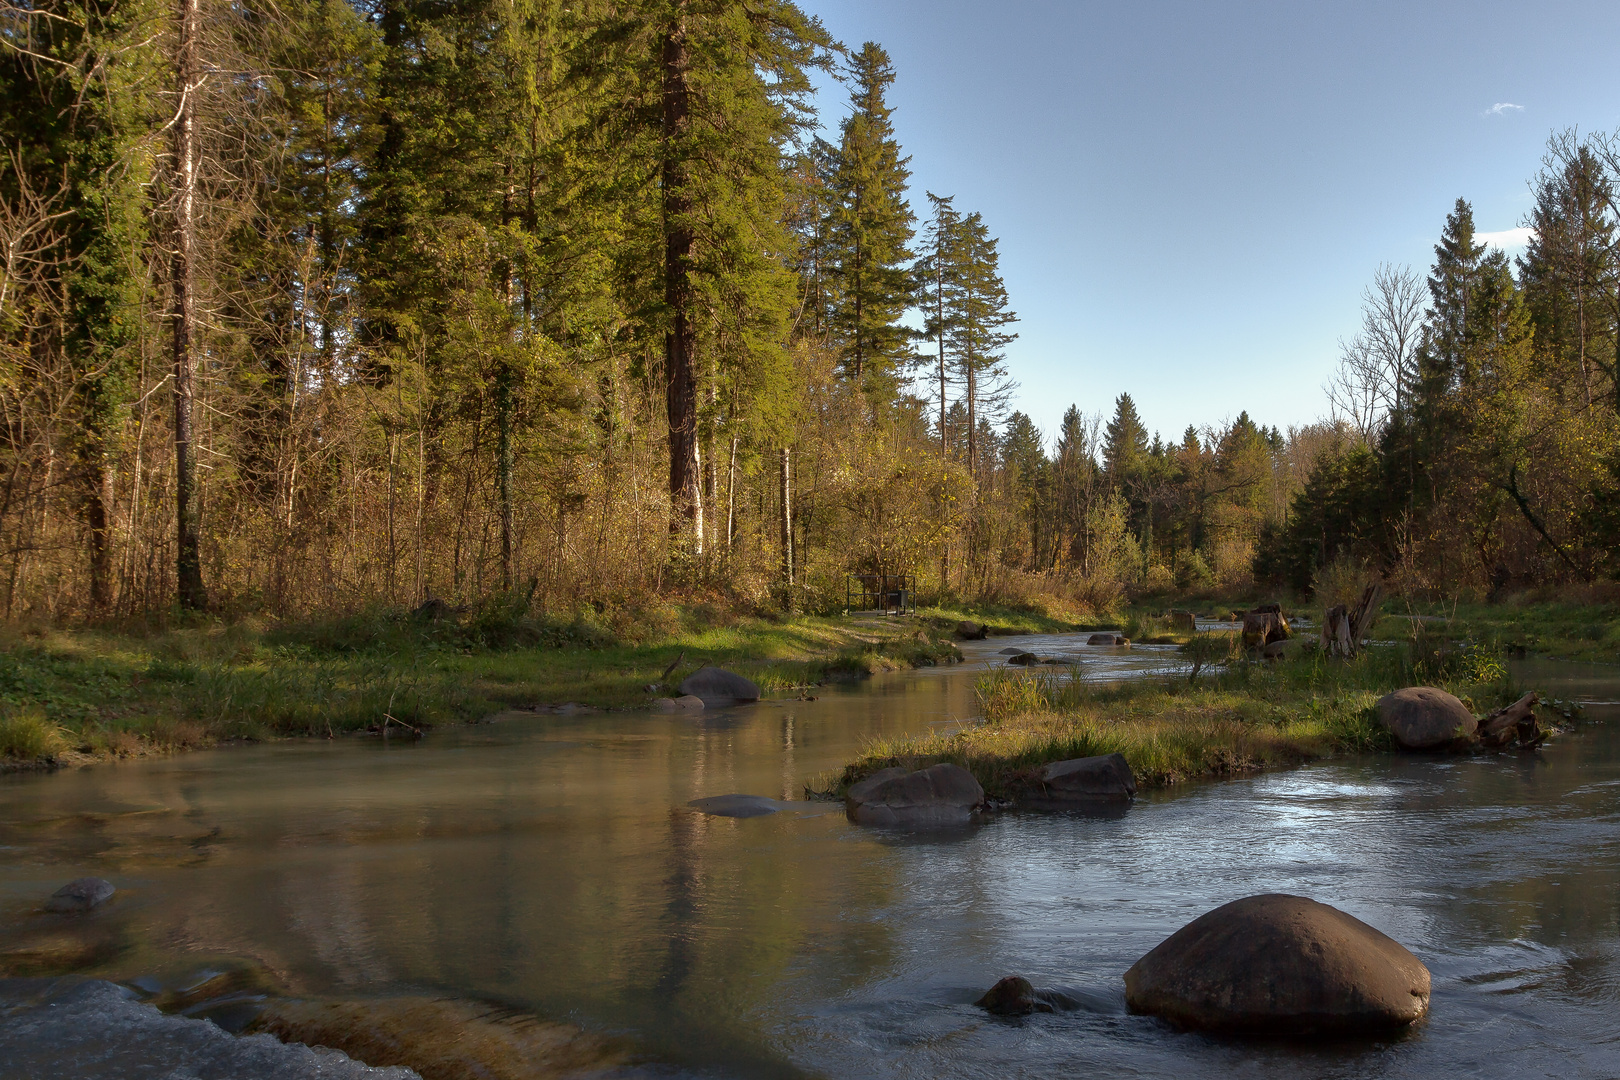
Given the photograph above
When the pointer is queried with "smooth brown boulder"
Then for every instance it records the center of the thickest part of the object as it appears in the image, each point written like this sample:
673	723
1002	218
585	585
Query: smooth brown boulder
941	794
1104	778
1280	965
1426	718
717	686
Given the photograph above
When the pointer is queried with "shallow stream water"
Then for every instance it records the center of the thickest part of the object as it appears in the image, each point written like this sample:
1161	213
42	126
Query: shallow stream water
552	863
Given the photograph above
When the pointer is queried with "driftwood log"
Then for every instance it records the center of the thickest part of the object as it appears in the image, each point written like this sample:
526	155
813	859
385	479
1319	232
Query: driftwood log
1515	721
1344	628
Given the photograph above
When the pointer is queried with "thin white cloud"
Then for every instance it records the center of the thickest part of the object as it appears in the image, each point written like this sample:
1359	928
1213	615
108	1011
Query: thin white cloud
1506	239
1502	108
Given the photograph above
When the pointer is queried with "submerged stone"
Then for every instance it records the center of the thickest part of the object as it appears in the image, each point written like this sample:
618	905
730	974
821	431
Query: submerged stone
684	703
737	806
1280	965
445	1038
94	1030
81	895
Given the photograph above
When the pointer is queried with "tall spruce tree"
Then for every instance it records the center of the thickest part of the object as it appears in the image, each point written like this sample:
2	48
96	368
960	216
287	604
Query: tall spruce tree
870	234
1451	287
1568	264
77	106
699	105
938	278
1125	443
976	321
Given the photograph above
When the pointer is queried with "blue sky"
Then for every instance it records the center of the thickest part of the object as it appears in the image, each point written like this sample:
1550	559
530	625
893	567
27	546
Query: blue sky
1191	196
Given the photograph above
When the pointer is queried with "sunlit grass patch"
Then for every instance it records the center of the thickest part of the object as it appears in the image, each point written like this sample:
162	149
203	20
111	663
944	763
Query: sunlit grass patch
1238	717
26	734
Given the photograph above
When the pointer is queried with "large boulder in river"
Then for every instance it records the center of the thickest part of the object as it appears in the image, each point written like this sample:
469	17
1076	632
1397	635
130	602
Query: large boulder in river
1425	718
1281	965
1104	778
941	794
717	686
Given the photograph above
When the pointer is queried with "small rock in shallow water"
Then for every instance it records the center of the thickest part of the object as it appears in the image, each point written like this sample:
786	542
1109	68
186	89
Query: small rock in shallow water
1103	778
717	686
1013	996
738	806
81	895
942	794
684	703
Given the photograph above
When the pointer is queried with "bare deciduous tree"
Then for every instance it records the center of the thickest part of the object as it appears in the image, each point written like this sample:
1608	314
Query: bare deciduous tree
1378	367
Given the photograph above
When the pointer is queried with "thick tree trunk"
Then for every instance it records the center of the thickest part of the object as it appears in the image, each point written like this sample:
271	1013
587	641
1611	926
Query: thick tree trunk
680	340
189	559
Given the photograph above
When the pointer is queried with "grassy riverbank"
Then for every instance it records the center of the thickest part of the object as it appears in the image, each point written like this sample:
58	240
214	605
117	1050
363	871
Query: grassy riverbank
1243	718
67	696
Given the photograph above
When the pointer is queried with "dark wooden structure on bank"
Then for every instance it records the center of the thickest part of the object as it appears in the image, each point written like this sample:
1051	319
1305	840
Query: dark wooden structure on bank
880	594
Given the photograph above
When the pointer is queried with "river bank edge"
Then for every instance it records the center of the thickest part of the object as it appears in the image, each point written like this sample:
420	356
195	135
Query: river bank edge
70	698
1243	718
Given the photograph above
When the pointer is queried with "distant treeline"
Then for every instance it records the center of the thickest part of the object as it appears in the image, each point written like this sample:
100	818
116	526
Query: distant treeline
315	304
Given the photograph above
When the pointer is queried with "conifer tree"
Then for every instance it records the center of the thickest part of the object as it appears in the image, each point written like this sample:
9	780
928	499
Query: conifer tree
715	94
1125	443
976	318
938	277
870	233
74	120
1569	261
1451	287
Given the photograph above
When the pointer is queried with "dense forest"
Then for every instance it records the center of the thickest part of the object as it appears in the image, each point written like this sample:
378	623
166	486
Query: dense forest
325	303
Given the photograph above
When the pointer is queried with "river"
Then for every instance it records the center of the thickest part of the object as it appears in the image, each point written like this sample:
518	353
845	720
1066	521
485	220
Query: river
551	863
